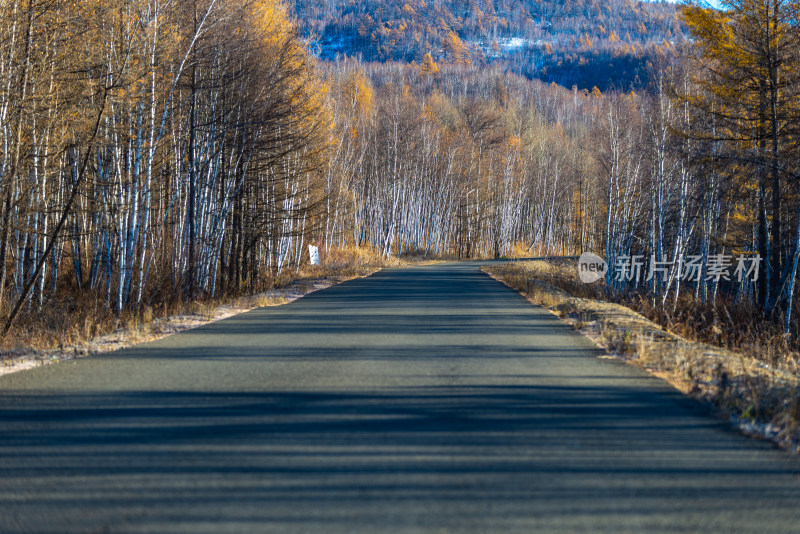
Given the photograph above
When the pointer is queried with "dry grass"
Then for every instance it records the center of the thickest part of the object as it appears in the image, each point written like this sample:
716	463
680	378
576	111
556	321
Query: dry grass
760	392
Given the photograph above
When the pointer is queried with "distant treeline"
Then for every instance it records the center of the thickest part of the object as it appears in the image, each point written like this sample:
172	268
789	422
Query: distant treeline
607	44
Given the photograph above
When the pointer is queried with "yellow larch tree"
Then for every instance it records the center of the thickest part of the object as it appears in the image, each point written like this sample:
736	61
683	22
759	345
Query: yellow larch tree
745	64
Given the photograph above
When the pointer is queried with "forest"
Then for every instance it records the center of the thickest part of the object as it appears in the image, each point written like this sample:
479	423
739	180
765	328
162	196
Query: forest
607	44
154	150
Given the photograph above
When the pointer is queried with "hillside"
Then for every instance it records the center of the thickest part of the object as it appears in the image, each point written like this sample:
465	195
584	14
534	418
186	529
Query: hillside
603	43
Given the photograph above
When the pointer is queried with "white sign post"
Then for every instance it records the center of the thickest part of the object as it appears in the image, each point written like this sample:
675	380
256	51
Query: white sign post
313	253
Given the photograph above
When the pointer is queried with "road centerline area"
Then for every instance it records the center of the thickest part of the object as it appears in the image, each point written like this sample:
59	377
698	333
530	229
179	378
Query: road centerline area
430	399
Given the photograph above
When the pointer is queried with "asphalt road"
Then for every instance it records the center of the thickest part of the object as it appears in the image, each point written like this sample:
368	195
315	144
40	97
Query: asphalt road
421	400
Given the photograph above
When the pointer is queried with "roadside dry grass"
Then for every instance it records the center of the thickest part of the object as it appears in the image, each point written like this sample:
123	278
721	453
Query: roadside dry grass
762	400
76	328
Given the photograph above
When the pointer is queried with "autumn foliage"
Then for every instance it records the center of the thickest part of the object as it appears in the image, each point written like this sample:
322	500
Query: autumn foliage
154	149
605	43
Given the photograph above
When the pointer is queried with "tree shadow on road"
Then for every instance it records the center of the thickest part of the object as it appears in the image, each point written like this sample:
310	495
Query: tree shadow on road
404	458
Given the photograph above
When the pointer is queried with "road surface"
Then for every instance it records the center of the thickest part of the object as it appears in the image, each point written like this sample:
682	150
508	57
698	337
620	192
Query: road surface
431	399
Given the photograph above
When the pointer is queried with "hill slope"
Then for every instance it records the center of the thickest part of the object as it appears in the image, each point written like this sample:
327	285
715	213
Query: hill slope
603	43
